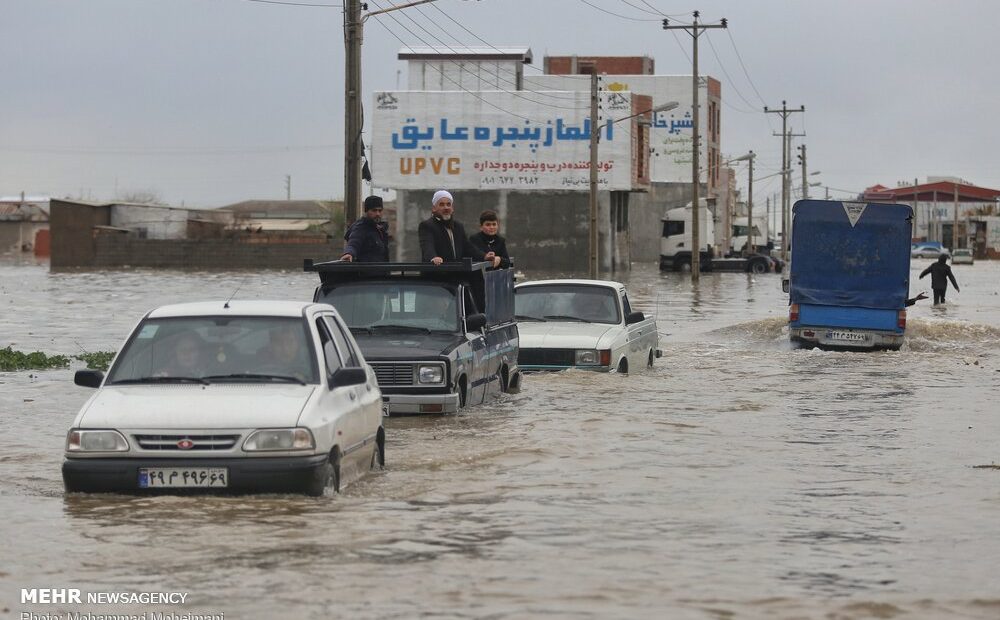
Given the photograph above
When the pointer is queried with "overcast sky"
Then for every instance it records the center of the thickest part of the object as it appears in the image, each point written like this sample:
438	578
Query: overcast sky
209	102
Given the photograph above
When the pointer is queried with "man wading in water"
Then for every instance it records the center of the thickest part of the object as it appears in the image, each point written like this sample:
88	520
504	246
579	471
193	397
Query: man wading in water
940	274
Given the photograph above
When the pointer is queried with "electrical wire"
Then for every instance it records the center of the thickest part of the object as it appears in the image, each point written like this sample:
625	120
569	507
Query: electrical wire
486	69
514	93
327	6
634	19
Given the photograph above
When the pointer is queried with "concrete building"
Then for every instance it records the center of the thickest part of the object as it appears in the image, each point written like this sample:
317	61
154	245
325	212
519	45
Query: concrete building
24	224
939	203
469	110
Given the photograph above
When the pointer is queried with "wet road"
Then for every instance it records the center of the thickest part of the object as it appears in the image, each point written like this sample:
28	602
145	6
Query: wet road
738	478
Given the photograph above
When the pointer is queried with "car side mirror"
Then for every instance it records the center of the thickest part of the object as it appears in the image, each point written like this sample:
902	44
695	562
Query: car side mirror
88	378
634	317
784	285
343	377
475	322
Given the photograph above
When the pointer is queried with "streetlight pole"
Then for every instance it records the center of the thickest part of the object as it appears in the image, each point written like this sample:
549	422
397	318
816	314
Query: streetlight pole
595	138
786	169
695	30
750	156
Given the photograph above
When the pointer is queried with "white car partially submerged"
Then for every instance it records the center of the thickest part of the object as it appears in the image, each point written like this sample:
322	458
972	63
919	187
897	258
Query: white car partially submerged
587	324
240	396
962	256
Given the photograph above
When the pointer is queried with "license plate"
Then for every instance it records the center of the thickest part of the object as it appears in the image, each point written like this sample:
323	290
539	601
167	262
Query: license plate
183	477
848	337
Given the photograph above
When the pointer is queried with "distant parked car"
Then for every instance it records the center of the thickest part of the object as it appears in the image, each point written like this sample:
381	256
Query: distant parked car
962	256
927	251
237	396
586	324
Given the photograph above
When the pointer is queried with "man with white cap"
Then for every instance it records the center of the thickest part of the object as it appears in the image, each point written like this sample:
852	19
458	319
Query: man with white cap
442	239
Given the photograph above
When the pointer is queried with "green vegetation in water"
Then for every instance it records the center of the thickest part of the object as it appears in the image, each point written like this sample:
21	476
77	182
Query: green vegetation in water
36	360
98	360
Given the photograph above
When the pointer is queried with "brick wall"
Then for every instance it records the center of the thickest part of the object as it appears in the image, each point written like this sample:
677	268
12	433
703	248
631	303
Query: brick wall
119	250
611	65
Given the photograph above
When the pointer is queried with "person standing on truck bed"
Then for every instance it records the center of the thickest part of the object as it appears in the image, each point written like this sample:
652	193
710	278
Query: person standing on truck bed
488	238
367	238
940	274
442	239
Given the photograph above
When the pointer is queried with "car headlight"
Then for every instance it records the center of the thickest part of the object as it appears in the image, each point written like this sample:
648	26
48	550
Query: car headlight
95	441
593	357
279	439
430	374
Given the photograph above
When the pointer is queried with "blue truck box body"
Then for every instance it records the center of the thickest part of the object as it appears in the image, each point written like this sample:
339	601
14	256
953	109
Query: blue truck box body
850	272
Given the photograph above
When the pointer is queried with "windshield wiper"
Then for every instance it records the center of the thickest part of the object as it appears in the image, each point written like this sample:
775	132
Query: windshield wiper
160	380
238	376
424	330
528	317
565	317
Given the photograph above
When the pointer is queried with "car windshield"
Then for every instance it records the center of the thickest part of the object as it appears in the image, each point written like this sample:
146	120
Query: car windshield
567	302
217	350
429	306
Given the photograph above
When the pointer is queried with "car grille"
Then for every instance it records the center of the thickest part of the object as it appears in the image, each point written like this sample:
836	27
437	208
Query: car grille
199	442
389	374
546	357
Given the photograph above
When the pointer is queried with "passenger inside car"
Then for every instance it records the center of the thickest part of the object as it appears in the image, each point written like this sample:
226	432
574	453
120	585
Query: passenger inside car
187	356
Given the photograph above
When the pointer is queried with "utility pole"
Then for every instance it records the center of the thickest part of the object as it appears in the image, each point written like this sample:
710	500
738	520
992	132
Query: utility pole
750	205
695	30
288	187
353	152
805	176
352	109
954	224
786	172
594	129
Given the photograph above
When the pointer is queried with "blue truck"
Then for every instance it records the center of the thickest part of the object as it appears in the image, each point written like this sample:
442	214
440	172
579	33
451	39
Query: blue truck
850	274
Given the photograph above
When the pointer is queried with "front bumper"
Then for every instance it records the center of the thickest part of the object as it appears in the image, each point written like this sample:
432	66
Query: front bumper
285	474
419	403
557	367
816	336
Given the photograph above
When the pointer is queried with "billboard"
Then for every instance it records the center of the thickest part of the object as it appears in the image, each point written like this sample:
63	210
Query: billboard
499	140
670	140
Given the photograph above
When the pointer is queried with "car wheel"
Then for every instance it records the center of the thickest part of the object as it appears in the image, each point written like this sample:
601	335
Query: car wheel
623	366
461	393
649	364
378	455
325	477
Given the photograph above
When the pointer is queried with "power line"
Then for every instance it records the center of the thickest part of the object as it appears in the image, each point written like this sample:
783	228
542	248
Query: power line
327	6
732	82
634	19
461	68
484	68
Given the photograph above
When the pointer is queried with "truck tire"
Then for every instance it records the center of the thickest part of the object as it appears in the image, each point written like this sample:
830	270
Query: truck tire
758	266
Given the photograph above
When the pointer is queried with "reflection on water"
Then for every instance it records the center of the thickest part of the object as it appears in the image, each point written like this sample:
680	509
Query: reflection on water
738	478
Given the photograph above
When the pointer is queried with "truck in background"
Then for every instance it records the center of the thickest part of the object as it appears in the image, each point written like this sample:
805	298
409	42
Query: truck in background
850	274
675	245
762	240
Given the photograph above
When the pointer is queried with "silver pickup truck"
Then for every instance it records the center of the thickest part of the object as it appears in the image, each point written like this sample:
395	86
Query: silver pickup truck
439	337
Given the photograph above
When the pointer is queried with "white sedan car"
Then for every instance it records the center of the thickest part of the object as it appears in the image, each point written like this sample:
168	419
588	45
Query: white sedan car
586	324
962	256
236	396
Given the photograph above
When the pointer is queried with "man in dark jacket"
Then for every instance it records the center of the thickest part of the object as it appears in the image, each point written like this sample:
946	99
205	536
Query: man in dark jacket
367	238
442	239
940	274
488	238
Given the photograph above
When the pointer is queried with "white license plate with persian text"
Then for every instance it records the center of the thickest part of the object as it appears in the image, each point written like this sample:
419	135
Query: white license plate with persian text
847	337
183	477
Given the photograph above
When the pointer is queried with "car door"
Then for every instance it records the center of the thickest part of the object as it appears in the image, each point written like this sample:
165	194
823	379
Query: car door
369	396
637	335
479	370
341	405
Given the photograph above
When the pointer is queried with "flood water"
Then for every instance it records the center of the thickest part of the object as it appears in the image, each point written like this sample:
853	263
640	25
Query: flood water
738	478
